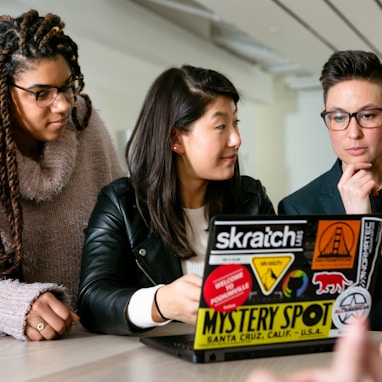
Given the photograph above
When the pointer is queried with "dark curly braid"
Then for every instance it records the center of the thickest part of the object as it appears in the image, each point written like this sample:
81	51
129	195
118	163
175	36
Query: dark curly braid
23	41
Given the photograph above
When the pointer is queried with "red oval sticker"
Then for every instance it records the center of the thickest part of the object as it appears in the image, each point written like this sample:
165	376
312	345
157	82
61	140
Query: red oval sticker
227	287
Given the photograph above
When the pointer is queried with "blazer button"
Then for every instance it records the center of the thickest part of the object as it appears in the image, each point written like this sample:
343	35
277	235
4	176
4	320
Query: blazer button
142	252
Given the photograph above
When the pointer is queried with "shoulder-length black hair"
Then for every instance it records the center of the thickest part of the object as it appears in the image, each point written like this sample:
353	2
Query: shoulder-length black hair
177	98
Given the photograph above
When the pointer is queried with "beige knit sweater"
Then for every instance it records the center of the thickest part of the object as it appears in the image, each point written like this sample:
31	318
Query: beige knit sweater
58	195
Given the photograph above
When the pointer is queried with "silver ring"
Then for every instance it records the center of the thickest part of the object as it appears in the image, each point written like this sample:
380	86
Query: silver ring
41	326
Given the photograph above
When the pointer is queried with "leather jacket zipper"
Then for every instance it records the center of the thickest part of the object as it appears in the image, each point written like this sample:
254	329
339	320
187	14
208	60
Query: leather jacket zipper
145	272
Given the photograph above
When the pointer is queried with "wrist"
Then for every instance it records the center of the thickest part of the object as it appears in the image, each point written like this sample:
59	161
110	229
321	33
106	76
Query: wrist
157	314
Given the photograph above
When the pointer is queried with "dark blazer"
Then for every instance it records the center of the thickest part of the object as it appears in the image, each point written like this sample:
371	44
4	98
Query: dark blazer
121	255
320	196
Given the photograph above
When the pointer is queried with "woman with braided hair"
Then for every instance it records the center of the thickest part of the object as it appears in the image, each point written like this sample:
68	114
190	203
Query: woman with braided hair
55	155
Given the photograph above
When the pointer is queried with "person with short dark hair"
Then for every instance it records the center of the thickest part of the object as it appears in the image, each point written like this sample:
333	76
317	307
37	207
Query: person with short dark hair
352	89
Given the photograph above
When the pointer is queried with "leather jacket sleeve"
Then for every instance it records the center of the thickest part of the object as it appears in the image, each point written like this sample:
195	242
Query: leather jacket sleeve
109	270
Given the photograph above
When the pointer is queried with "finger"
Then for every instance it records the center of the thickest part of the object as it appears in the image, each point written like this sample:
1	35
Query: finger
351	169
57	314
351	172
357	181
32	334
75	317
370	187
37	329
363	186
59	318
193	279
374	362
349	356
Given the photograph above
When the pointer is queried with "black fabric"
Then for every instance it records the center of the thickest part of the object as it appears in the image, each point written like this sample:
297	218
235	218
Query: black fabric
320	196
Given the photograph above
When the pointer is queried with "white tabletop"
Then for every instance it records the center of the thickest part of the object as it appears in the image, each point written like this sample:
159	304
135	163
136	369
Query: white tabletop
82	356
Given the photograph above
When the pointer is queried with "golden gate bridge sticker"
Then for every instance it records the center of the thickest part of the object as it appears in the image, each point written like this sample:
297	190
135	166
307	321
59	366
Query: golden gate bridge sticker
336	244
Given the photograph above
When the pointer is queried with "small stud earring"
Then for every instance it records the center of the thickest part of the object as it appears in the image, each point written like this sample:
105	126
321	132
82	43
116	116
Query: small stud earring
174	148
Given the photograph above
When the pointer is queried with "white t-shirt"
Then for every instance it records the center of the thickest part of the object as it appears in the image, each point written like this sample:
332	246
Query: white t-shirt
197	235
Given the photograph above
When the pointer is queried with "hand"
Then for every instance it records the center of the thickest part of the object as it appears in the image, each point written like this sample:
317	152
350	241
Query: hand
355	186
179	300
355	360
57	315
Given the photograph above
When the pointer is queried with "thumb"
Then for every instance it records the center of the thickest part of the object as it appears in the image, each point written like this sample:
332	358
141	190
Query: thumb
75	317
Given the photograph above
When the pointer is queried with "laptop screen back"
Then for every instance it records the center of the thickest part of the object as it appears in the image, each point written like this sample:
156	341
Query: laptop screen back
277	279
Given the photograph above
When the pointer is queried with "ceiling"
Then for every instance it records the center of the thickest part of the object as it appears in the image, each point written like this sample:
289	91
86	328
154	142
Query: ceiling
291	37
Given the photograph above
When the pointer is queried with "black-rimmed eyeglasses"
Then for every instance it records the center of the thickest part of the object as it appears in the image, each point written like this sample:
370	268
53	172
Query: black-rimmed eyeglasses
340	120
46	97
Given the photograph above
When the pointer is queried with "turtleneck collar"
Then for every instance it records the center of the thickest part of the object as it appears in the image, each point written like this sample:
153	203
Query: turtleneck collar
41	180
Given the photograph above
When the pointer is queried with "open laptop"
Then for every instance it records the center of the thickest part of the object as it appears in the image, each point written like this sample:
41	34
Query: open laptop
276	285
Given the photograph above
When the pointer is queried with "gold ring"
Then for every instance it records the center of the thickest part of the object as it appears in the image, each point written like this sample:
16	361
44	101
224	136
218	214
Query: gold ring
41	326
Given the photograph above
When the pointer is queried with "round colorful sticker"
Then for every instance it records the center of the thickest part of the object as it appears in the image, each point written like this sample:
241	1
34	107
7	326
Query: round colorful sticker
295	283
353	302
227	287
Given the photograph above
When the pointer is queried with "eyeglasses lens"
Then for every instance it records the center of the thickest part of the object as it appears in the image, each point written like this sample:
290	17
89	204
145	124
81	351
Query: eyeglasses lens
368	119
48	96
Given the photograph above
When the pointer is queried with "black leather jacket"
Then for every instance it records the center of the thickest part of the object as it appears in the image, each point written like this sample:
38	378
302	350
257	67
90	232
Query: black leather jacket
121	255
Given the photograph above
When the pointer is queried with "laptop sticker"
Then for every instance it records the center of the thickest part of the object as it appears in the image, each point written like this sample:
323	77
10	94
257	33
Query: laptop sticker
330	282
263	324
370	251
227	287
295	284
270	269
336	244
354	302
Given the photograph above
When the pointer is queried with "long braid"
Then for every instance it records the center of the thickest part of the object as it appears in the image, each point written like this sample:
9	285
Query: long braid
9	185
15	217
23	41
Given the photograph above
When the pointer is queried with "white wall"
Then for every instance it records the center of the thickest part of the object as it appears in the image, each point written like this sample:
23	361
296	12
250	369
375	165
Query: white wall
307	140
292	145
123	48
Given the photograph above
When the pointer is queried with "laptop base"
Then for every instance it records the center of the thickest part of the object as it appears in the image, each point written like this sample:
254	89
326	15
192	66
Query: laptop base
181	347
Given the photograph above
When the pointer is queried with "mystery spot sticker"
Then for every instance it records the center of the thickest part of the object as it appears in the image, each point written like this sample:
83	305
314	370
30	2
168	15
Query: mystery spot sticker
354	302
227	287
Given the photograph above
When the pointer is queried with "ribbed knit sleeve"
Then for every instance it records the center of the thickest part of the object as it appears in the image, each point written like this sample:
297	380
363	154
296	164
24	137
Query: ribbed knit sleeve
16	300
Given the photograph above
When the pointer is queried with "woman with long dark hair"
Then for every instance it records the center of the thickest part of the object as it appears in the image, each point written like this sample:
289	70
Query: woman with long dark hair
55	156
146	240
